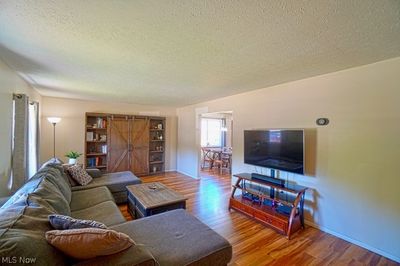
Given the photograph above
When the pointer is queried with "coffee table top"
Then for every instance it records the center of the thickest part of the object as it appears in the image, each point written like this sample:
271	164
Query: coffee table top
152	195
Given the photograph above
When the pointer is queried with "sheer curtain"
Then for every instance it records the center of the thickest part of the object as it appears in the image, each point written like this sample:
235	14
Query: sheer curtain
19	142
33	138
25	141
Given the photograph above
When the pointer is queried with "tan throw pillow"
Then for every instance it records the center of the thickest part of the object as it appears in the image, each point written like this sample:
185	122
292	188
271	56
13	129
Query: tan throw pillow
79	174
88	243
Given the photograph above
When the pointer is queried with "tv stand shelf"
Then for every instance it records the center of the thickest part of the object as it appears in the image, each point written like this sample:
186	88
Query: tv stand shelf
277	204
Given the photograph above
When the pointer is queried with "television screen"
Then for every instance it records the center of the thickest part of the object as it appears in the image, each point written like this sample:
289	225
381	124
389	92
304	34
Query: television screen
275	149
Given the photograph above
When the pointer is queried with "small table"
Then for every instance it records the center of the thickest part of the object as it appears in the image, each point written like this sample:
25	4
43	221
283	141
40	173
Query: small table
151	198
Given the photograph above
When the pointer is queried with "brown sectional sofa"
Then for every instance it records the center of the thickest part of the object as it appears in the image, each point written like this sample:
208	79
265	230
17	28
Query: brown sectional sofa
170	238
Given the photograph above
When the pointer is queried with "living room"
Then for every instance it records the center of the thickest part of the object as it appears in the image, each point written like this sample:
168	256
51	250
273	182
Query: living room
272	65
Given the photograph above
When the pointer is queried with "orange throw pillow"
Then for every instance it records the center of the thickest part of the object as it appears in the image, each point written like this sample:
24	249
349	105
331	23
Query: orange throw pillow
88	243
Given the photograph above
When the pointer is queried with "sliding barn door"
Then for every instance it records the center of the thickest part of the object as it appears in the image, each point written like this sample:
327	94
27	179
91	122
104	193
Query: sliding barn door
118	144
140	146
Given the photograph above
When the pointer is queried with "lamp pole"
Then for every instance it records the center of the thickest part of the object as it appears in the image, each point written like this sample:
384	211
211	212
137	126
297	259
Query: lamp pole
54	121
54	140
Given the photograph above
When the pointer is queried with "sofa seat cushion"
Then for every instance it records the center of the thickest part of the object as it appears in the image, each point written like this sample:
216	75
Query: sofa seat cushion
106	212
82	199
178	238
115	182
135	255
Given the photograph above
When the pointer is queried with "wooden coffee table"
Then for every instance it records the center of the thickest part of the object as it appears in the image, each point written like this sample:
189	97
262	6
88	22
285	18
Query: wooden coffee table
151	198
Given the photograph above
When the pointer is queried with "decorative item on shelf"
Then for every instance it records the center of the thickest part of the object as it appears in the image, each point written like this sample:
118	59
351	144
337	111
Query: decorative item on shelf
159	126
159	148
73	156
103	137
154	169
161	137
89	136
54	120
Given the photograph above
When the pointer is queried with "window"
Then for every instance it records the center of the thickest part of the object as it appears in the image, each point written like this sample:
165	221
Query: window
211	132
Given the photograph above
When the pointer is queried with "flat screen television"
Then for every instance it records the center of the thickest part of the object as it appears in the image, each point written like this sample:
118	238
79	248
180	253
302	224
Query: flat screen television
281	149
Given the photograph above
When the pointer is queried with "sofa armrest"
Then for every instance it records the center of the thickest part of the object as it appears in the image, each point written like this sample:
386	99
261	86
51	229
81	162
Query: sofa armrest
135	255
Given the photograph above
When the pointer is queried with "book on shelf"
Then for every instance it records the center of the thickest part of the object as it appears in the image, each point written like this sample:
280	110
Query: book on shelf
101	122
93	162
103	148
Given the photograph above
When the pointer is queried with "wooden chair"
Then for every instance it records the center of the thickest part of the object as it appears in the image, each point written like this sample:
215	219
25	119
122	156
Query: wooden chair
222	160
207	157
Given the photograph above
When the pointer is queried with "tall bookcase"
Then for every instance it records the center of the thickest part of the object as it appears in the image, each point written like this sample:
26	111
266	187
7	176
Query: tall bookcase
157	145
96	141
116	142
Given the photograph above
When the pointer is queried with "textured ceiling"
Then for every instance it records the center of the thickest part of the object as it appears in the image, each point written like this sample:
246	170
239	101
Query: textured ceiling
183	52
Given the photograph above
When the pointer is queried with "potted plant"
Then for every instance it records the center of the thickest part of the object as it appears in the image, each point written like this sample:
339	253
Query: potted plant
73	156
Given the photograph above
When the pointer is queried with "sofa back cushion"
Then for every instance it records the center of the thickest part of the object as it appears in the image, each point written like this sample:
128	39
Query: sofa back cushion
56	175
22	233
48	195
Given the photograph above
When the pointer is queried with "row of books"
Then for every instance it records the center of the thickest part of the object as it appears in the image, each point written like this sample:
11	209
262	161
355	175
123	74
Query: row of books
95	161
101	122
96	149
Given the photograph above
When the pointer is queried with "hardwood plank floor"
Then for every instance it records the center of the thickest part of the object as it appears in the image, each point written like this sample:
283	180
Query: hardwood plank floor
254	243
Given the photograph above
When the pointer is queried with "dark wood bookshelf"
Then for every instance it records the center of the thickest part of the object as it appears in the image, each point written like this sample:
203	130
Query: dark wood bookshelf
96	137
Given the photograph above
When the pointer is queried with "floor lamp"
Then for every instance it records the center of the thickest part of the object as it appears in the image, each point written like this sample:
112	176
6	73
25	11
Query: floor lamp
54	121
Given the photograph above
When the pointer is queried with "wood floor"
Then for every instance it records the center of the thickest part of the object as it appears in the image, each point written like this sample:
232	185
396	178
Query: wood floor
254	243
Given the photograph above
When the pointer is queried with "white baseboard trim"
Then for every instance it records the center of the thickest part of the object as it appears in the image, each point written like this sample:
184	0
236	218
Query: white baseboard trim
170	170
181	172
353	241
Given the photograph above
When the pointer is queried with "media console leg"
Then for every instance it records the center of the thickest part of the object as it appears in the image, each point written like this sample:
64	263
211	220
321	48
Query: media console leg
302	210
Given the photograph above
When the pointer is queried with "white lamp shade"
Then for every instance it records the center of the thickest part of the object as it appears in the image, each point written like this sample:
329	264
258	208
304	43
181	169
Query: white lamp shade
54	120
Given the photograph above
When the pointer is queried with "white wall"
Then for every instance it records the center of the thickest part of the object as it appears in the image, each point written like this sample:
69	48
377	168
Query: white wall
355	189
10	83
70	132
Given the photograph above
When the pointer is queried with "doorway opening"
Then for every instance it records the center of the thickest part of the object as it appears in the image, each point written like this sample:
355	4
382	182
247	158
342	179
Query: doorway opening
216	144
